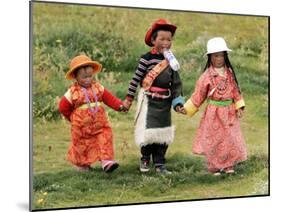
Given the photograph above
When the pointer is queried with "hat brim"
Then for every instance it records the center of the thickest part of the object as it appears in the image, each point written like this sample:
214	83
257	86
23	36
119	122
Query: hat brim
169	27
96	66
211	52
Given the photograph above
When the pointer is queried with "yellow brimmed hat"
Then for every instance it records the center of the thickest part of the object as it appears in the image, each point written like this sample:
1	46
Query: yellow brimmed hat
79	61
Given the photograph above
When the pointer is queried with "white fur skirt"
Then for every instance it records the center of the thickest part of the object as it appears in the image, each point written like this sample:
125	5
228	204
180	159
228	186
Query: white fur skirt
153	121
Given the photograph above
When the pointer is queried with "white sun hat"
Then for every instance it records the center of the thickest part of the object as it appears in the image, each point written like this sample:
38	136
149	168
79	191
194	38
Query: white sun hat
217	44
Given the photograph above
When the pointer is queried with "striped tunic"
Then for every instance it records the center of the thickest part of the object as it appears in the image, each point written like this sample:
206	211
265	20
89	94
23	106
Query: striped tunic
146	63
153	114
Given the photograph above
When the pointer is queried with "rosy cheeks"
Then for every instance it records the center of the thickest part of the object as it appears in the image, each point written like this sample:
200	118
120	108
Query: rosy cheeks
84	76
162	46
86	82
217	59
163	40
218	64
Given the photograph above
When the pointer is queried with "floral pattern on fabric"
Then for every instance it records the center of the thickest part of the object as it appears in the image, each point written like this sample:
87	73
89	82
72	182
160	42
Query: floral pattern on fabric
91	134
218	136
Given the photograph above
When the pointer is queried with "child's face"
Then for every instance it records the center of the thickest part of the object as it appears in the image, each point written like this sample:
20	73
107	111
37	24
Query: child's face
217	59
162	41
84	76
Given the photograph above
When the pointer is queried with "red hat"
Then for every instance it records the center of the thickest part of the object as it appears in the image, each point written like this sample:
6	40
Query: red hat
159	24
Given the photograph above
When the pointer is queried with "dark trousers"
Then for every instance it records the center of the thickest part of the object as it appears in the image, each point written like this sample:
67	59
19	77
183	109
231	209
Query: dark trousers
157	151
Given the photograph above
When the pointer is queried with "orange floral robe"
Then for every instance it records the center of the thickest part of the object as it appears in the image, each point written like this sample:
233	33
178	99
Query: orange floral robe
218	136
91	134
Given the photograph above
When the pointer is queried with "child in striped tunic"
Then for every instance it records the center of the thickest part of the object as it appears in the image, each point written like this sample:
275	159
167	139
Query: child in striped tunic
161	88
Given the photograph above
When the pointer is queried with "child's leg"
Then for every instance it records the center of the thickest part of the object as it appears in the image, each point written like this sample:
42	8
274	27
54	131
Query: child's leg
109	165
229	170
106	150
159	160
158	154
146	151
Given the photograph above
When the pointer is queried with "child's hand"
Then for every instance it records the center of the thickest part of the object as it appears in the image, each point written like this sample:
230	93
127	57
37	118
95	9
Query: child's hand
180	109
127	104
122	109
239	113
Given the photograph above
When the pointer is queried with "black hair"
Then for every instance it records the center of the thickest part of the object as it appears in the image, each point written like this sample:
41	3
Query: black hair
75	72
155	33
228	65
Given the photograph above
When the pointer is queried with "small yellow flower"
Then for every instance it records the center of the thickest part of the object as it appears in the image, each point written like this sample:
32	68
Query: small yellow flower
40	201
45	193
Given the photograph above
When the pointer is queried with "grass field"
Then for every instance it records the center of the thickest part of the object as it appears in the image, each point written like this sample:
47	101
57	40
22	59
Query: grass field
60	32
63	186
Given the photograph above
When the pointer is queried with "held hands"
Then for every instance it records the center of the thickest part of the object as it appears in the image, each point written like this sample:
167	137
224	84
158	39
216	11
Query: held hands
127	104
122	109
180	109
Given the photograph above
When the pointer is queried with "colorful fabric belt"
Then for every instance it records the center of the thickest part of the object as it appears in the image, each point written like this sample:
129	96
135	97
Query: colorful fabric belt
85	106
158	89
220	103
158	95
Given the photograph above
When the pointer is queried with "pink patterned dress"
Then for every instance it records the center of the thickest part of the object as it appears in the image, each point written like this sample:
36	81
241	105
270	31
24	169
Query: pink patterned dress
218	136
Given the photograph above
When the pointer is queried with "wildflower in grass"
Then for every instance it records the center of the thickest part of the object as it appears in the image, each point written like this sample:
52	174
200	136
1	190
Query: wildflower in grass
40	201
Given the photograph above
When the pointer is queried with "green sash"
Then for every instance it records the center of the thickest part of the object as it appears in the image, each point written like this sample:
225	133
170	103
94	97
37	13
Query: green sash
220	103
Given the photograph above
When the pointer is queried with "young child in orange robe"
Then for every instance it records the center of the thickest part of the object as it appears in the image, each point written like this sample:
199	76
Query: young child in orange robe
91	133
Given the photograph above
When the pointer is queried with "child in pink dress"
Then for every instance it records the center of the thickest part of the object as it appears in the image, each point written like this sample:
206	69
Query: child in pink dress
218	137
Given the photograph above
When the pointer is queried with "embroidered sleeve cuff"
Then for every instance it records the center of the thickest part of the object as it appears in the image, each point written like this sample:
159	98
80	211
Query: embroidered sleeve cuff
239	104
177	101
190	108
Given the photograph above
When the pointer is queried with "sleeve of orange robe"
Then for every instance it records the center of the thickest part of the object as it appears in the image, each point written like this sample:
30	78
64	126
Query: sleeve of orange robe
65	108
111	101
198	97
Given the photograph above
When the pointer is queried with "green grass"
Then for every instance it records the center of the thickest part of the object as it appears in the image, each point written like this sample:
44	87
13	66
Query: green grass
60	32
189	181
66	187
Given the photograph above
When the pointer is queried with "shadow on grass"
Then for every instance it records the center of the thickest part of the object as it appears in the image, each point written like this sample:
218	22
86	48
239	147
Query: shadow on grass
69	188
195	169
186	169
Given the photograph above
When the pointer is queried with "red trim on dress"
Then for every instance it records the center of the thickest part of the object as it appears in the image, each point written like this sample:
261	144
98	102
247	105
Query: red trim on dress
65	108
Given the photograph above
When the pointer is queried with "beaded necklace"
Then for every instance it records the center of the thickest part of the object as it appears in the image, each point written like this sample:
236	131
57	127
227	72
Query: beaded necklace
96	108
